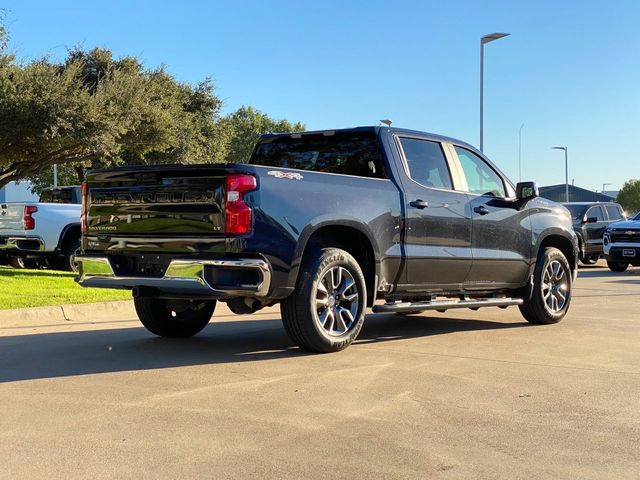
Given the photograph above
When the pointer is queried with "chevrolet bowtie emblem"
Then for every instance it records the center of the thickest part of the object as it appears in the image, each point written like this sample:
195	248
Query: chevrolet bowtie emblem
630	232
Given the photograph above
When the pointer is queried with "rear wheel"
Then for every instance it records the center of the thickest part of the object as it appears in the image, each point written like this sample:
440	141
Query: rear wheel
17	262
69	254
617	266
326	311
551	295
173	318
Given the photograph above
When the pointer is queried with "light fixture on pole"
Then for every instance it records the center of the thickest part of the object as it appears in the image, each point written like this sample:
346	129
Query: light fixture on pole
566	172
484	40
604	185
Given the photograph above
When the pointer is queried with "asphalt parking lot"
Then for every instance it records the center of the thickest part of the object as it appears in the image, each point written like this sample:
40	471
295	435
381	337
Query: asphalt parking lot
457	395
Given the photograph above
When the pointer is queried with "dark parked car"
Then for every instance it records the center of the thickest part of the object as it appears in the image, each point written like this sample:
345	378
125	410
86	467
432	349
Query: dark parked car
590	220
325	223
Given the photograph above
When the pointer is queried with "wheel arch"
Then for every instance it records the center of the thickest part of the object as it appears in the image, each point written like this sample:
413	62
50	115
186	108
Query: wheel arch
69	232
569	248
353	237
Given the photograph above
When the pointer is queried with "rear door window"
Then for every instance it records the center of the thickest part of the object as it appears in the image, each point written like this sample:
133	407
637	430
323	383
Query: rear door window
614	212
426	163
346	153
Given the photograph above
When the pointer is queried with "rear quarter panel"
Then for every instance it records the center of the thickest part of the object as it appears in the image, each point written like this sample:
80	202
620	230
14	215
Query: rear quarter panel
289	209
51	219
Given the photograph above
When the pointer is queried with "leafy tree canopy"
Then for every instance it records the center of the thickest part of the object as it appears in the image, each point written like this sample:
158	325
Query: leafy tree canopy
93	110
246	125
629	196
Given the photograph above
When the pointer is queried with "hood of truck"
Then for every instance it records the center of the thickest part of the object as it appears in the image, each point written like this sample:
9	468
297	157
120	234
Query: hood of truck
625	225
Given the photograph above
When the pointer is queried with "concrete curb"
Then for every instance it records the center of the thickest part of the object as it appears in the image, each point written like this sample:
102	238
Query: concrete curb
67	313
89	312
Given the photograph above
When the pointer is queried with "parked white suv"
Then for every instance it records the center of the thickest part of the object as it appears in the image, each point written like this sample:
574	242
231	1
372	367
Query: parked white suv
621	244
46	232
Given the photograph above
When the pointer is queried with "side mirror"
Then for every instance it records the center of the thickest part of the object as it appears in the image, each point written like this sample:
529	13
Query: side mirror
591	220
526	191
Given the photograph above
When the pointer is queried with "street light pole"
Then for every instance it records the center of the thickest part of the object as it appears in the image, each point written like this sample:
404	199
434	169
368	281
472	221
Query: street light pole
604	185
566	171
520	153
484	40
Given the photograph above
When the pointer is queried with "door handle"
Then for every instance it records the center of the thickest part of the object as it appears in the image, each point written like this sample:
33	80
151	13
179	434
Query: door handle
482	210
419	204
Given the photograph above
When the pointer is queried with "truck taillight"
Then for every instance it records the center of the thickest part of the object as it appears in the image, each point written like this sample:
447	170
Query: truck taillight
238	215
83	210
28	221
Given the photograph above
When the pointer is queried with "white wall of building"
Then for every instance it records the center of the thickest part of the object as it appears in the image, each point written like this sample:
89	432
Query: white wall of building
17	192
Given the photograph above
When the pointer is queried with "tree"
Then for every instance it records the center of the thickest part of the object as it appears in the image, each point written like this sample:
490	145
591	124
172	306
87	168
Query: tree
629	196
93	110
245	127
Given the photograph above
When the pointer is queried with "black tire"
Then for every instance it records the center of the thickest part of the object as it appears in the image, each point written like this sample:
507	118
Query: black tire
412	312
71	249
17	262
547	304
173	318
617	266
345	306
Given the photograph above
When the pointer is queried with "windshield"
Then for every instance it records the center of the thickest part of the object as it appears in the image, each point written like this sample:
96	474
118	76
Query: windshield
577	211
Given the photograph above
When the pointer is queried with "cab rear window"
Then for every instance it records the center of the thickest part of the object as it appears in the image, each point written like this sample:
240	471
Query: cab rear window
343	153
62	195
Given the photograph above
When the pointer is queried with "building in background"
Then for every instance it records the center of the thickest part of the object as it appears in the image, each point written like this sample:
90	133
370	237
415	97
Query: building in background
17	192
576	194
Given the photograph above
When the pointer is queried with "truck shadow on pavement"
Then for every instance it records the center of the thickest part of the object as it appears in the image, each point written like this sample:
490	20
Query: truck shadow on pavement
63	354
602	273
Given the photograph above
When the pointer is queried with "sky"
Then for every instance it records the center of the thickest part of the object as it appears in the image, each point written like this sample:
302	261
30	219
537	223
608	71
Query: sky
569	71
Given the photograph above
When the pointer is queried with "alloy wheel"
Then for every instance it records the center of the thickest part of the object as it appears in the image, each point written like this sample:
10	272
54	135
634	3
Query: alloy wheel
337	300
555	286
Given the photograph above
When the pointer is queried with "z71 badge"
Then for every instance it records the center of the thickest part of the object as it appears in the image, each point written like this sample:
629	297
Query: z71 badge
289	175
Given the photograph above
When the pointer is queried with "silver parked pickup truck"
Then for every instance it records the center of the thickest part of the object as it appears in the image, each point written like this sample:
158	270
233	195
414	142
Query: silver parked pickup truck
44	232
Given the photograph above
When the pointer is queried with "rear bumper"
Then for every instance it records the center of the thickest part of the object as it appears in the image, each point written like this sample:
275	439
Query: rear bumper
218	278
22	244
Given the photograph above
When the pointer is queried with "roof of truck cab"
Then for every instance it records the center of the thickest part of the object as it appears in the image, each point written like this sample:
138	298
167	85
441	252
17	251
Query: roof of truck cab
376	129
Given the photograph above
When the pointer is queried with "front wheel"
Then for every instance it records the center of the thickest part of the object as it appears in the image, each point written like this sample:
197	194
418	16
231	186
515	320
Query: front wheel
551	294
326	310
173	318
617	266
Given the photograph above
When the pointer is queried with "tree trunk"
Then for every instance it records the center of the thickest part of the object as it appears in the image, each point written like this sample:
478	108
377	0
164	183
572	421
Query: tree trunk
80	172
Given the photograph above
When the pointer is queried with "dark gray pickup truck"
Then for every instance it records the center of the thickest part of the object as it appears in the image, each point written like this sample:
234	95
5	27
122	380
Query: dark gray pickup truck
327	224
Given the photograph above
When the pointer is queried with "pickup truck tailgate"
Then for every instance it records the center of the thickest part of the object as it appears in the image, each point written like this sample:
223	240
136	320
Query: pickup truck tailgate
11	215
171	200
